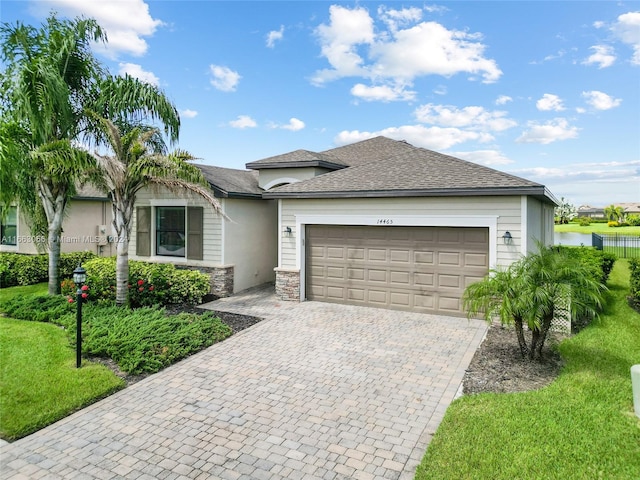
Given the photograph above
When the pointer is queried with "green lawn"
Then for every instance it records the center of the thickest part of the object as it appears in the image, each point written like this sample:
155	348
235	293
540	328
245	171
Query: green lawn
39	381
582	426
597	228
37	289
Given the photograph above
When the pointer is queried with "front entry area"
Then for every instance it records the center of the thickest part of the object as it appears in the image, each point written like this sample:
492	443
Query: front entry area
420	269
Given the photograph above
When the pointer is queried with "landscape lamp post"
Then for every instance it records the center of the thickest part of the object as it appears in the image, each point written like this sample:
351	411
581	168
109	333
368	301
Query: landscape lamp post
79	277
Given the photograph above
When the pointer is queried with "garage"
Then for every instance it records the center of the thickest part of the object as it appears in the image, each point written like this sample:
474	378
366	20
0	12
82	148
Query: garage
422	269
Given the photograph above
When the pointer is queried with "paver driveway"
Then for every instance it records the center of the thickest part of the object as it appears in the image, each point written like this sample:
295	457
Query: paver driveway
314	391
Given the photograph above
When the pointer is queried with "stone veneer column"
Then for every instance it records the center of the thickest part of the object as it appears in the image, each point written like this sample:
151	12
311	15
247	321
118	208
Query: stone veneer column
220	278
287	284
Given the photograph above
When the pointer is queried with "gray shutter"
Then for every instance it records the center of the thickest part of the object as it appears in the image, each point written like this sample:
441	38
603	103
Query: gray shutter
143	231
194	233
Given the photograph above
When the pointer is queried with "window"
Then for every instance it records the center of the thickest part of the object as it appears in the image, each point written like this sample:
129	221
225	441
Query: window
9	226
170	231
177	231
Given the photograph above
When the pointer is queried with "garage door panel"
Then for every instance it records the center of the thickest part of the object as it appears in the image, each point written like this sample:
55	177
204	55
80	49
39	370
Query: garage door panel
423	269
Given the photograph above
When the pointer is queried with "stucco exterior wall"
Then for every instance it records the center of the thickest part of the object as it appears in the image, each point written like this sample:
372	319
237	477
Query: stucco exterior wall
80	230
250	241
499	213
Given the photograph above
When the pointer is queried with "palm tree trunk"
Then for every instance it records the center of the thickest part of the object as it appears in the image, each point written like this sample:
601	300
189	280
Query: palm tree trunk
122	270
54	210
544	331
524	349
53	245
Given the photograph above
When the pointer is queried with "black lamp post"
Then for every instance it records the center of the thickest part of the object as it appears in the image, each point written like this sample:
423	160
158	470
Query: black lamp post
79	277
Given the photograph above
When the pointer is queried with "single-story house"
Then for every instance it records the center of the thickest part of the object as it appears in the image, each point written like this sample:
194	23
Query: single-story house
383	223
85	227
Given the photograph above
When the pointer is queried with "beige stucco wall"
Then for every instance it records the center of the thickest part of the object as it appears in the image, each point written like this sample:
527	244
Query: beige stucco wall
250	241
79	230
270	177
499	213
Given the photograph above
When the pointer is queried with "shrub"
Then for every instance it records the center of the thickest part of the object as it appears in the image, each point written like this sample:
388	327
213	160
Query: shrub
598	262
613	224
21	269
37	308
145	339
585	222
149	283
634	282
633	220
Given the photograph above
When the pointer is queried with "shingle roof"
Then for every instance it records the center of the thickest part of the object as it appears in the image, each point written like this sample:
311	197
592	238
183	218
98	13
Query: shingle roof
400	169
229	182
298	158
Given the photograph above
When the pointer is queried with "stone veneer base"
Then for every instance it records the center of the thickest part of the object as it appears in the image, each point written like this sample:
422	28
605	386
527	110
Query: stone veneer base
288	284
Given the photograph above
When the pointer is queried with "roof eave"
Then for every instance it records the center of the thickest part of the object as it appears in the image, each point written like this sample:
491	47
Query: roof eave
299	164
539	192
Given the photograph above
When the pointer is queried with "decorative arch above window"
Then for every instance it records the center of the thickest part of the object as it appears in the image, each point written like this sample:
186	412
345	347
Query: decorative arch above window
279	182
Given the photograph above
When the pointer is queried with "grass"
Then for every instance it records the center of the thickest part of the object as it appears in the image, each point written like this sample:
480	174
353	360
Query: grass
39	381
37	289
582	426
597	228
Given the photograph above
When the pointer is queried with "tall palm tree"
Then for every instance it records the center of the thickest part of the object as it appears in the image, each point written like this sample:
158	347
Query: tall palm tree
137	158
44	88
614	213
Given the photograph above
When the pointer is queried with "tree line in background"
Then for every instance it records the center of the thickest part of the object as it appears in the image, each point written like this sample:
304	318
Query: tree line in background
65	121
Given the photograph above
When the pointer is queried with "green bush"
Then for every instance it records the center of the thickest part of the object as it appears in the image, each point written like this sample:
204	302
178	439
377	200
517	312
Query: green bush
584	221
634	281
633	220
37	308
145	339
149	283
613	223
597	261
21	269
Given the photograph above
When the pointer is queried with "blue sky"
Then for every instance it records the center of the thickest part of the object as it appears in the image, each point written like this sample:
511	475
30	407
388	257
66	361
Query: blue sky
549	91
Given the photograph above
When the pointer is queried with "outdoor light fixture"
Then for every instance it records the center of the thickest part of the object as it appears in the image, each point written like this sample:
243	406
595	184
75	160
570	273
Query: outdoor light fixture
287	230
79	277
508	239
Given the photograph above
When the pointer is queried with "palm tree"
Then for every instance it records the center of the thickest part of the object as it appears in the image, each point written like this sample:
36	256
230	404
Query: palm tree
138	158
613	213
529	292
48	77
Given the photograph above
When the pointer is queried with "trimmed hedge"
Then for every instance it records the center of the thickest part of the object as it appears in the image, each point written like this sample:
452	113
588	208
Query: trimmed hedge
634	281
149	283
599	262
22	269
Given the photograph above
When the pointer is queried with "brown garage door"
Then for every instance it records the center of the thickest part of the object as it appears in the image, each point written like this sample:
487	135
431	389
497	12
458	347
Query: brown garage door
423	269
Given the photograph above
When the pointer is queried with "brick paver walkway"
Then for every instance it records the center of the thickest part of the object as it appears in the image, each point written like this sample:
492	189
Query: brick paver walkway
315	391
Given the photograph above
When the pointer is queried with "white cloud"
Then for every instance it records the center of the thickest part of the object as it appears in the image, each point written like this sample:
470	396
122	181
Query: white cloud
274	35
484	157
551	131
472	117
627	30
603	56
398	18
384	93
223	78
435	138
600	100
294	125
503	99
126	22
187	113
550	102
441	90
586	171
399	50
243	121
136	71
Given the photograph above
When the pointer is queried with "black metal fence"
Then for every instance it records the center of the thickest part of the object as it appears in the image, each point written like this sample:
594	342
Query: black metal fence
623	246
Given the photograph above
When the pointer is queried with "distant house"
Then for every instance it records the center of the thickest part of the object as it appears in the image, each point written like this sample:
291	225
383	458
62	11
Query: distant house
86	226
590	212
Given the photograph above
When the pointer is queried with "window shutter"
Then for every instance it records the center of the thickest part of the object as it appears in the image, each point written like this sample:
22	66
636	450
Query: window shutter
143	231
194	233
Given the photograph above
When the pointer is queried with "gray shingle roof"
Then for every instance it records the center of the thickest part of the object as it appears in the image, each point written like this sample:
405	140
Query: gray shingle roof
229	182
395	168
298	158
